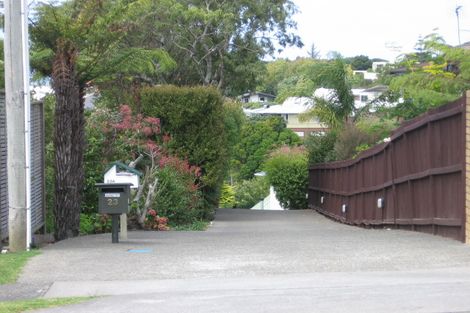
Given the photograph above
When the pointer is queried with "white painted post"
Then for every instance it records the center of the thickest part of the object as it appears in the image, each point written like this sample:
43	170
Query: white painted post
123	230
17	104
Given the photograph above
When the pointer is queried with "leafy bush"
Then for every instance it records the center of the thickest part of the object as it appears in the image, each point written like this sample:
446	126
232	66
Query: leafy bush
355	138
250	192
259	136
94	223
320	147
178	196
194	117
124	135
349	138
378	128
287	170
227	197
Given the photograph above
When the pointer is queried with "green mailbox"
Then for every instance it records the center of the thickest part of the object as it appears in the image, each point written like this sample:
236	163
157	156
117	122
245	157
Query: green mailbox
113	198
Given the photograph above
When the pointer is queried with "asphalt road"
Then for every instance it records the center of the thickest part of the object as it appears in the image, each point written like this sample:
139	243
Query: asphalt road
259	261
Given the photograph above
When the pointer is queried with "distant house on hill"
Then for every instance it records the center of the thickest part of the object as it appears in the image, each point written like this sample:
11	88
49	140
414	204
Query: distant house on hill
256	97
364	96
367	75
377	66
290	110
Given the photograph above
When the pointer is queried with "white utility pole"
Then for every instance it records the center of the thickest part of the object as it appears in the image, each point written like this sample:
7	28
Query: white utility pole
17	98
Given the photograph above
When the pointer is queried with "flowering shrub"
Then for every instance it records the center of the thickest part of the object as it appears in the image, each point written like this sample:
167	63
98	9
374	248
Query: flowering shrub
179	196
155	222
124	136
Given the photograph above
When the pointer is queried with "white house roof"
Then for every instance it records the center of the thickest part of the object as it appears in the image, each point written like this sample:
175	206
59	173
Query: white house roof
323	93
292	105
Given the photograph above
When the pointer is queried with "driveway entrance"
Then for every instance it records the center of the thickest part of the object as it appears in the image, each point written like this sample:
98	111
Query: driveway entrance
257	255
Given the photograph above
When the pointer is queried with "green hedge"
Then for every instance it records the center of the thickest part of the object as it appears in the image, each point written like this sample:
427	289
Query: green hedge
287	170
194	117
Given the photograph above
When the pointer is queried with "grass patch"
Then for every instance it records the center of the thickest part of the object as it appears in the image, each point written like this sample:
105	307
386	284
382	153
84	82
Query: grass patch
195	226
34	304
11	265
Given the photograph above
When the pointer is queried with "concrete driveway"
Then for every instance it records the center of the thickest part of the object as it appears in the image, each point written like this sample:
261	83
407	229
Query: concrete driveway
259	261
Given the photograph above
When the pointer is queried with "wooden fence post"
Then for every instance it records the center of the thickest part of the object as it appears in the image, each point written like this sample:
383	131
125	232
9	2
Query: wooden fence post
467	168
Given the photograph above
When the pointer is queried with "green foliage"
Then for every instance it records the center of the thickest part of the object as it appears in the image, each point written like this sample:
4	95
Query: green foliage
285	78
320	147
349	138
376	126
360	148
287	170
94	223
97	155
219	43
437	74
297	86
348	141
11	265
98	30
194	117
337	108
250	192
359	62
19	306
49	107
234	119
259	136
113	136
227	197
178	197
195	226
355	138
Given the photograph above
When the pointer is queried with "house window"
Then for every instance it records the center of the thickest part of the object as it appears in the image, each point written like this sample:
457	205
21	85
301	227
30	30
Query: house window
287	117
364	98
261	99
245	100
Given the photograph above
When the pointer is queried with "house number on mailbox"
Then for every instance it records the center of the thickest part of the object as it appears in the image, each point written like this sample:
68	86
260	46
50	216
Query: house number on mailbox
112	202
112	198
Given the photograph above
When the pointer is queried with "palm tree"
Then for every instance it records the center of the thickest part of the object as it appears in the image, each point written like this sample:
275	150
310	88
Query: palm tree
338	106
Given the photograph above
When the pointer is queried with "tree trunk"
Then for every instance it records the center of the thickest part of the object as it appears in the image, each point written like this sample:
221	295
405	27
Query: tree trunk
68	143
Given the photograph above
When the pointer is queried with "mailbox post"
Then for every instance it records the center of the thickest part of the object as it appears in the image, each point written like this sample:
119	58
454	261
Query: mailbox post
114	200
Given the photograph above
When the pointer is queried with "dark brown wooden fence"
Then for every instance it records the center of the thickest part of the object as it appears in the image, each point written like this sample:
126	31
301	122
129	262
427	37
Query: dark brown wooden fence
419	175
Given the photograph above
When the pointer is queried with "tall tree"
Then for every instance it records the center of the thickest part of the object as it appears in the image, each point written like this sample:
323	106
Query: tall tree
313	52
214	41
76	43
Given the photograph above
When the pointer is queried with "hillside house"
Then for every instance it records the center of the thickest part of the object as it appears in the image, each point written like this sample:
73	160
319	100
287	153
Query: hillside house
290	110
259	97
364	96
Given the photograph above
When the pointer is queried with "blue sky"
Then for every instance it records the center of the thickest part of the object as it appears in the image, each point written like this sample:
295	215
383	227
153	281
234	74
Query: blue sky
379	28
